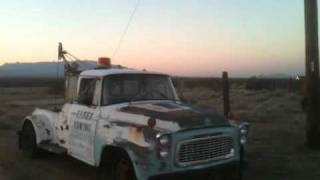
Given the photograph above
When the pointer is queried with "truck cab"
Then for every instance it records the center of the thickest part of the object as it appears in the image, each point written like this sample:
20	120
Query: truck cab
131	124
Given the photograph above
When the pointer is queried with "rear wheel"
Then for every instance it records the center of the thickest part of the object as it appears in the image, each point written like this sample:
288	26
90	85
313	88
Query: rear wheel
28	140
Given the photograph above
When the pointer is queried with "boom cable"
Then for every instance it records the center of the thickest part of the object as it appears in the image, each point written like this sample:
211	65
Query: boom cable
116	50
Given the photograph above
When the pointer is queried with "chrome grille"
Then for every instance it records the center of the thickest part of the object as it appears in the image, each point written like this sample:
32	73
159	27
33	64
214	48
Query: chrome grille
204	149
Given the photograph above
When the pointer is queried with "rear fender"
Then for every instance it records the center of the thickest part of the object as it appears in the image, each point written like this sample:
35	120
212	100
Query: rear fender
42	126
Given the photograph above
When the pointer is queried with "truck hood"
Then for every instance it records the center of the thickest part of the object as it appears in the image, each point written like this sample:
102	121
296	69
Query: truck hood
183	115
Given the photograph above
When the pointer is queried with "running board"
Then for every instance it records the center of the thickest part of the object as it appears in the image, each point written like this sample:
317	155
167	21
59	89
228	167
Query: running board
54	148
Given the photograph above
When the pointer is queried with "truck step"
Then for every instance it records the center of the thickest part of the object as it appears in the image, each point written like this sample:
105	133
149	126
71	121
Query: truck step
54	148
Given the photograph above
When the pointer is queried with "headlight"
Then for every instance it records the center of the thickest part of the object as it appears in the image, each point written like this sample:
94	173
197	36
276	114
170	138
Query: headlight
164	144
244	130
164	140
243	140
163	153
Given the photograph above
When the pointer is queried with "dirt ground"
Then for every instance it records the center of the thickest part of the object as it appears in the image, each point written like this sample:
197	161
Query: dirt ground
276	148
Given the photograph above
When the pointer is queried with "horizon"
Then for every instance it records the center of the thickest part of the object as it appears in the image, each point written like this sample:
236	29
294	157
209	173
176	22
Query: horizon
214	75
190	39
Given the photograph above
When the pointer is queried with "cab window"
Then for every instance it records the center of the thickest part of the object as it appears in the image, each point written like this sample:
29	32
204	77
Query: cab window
122	88
87	91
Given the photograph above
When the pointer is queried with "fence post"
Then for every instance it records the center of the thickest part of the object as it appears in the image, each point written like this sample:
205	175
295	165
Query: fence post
226	99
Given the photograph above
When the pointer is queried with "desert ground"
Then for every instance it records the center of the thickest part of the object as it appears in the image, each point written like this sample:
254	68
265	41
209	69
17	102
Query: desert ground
276	149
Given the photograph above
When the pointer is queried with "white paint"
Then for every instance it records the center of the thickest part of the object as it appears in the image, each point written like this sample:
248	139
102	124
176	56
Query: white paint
82	132
77	126
43	121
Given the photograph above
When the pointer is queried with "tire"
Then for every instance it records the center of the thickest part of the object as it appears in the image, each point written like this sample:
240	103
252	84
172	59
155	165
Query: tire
119	168
28	140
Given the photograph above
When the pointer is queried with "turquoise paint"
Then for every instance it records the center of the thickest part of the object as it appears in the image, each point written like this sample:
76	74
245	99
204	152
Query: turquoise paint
171	167
150	165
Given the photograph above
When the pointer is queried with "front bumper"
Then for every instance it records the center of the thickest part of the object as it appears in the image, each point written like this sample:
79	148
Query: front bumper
205	173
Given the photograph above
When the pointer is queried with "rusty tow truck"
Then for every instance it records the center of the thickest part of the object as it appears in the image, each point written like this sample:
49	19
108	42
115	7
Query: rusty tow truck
131	124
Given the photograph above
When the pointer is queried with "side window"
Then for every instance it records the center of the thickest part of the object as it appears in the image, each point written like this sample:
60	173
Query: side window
86	91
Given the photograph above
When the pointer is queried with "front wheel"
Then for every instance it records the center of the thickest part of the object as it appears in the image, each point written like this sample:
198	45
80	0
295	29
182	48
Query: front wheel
123	170
119	168
28	140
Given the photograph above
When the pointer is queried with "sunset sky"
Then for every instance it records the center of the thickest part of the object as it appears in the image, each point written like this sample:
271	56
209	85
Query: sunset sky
179	37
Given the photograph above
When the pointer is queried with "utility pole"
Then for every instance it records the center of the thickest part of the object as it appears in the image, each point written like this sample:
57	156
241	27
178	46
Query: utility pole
312	74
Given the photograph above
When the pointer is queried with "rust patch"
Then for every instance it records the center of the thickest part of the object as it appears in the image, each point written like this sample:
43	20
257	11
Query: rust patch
126	124
47	131
136	134
149	134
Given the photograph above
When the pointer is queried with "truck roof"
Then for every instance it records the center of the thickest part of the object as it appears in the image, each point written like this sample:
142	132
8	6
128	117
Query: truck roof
111	71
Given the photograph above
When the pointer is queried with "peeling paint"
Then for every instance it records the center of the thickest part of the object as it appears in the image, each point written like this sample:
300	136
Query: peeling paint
183	115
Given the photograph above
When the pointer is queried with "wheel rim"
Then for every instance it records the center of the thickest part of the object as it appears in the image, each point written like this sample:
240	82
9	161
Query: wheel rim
122	171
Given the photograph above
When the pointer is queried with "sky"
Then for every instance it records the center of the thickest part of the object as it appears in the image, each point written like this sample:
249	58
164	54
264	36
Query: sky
180	37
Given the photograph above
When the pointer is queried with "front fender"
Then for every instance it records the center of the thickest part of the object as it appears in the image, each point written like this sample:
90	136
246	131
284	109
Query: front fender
137	141
141	157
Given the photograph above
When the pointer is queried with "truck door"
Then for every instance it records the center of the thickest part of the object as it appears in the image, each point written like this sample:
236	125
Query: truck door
83	119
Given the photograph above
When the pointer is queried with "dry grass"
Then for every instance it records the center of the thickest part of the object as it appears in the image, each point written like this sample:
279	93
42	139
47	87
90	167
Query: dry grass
276	148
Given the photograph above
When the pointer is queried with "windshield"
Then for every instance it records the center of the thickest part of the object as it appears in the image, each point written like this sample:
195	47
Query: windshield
136	87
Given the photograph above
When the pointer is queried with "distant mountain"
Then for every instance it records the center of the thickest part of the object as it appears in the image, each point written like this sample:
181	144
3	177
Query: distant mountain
38	69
